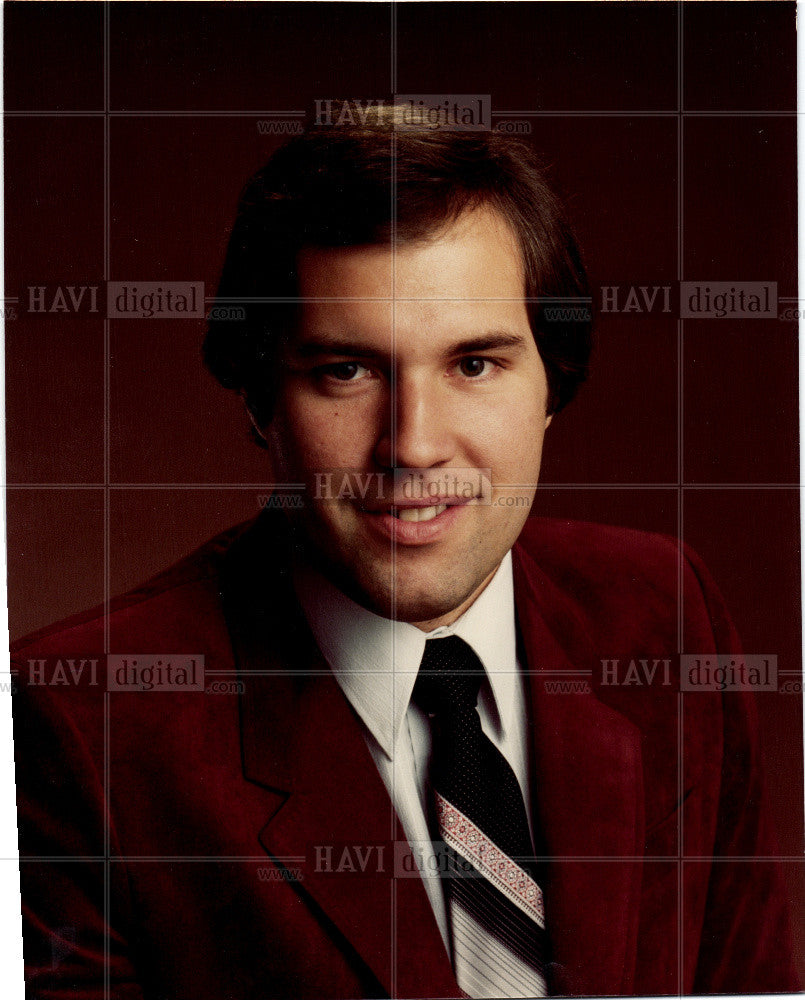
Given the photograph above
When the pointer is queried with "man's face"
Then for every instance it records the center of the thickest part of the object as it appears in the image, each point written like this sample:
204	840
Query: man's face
424	360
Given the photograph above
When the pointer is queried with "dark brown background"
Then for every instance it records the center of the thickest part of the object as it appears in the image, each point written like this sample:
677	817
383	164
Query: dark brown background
690	431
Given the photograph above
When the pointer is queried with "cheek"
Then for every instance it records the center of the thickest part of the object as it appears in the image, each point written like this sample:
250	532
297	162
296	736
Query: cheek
527	420
510	437
316	434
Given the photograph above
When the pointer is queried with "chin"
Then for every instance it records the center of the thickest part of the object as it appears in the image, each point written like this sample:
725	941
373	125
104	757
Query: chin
405	593
406	605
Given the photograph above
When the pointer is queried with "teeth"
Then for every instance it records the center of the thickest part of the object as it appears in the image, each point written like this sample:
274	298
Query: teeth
420	513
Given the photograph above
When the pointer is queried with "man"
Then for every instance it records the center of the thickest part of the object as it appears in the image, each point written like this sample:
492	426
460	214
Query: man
394	802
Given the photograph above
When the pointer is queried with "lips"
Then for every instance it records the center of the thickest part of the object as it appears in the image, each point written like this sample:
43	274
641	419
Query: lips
416	522
415	511
416	514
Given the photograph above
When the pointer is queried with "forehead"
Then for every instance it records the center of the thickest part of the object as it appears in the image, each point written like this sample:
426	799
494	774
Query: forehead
477	256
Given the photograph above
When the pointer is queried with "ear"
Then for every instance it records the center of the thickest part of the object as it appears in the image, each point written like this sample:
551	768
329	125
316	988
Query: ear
257	428
548	420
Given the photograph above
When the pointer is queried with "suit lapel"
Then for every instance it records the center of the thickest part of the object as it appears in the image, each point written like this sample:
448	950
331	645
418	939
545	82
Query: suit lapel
588	794
301	739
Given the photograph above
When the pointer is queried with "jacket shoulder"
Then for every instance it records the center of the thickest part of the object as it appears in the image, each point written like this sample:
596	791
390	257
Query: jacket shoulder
623	584
567	549
152	612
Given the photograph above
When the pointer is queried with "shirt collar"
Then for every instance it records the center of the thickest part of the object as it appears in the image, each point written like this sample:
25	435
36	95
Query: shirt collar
376	660
488	626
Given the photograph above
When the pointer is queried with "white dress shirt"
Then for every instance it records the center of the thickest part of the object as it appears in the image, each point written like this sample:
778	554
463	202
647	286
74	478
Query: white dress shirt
375	661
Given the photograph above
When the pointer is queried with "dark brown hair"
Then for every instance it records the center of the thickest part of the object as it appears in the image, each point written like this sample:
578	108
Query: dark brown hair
352	185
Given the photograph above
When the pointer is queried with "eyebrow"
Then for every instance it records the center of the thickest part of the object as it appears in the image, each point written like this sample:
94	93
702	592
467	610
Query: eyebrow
493	341
332	345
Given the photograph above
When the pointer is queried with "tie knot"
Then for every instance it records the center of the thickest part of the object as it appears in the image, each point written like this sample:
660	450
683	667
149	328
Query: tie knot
449	679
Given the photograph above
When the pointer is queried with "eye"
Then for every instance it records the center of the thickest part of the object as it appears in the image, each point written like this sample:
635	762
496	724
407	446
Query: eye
344	371
474	367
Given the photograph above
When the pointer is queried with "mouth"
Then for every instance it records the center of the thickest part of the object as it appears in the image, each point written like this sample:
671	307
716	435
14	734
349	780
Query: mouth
415	511
415	522
417	514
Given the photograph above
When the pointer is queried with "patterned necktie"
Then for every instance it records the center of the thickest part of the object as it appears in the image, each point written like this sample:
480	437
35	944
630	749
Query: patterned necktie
496	909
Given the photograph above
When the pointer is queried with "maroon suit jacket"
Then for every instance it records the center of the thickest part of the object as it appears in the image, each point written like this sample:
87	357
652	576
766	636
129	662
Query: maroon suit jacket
183	844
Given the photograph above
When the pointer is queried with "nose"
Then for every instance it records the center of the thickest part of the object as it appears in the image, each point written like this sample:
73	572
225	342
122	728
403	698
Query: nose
421	429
